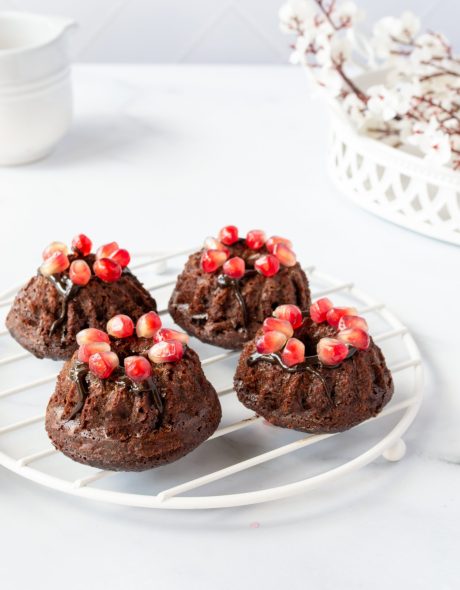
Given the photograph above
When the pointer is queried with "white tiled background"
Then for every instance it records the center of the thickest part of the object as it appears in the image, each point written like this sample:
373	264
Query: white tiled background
204	31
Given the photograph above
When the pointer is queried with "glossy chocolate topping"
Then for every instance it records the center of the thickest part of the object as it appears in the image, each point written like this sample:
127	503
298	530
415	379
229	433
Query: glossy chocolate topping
78	374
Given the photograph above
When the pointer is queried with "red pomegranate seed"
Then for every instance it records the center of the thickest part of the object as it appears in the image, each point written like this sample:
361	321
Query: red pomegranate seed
211	260
107	270
353	321
234	268
228	235
106	250
331	351
167	351
268	265
54	247
148	325
333	315
138	368
271	243
319	309
86	350
121	256
293	353
291	313
355	337
213	244
81	244
55	263
79	273
285	255
255	239
270	342
276	325
90	335
120	326
169	334
103	364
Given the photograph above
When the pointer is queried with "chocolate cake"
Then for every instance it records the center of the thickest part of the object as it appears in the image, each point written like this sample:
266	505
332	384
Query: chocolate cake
71	292
319	376
227	289
138	403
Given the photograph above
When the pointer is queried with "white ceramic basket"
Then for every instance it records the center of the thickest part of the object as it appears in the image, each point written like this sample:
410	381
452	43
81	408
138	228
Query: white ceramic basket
397	186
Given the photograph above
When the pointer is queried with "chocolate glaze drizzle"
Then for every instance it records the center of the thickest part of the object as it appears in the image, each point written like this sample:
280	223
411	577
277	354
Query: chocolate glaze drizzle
226	281
78	374
67	291
274	358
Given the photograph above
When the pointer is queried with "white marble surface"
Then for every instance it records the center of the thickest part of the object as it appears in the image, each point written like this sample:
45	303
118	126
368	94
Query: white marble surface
160	156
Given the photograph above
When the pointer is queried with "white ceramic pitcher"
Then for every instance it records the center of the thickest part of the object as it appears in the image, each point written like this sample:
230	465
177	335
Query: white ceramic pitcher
35	88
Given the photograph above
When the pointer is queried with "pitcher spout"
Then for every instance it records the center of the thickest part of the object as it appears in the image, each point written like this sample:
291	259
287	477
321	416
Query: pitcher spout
62	24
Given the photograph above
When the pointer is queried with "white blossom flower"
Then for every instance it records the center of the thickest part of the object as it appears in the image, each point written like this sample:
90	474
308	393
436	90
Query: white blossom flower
431	141
295	13
347	12
330	80
390	30
383	103
428	47
302	43
355	109
333	52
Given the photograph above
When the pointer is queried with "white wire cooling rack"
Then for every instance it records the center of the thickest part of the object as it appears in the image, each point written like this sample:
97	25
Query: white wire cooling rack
246	461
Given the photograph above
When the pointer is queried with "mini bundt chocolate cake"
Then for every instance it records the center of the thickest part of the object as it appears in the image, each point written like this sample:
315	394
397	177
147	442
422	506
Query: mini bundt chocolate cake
71	292
126	405
314	377
227	289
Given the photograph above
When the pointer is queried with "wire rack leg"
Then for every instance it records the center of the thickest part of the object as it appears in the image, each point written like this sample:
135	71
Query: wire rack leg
396	452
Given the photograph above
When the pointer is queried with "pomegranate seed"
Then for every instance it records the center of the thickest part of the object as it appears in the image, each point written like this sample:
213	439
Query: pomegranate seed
355	337
285	255
293	353
168	334
55	263
255	239
270	342
138	368
213	244
79	272
148	325
86	350
120	326
228	235
54	247
90	335
319	309
212	259
107	270
353	321
291	313
103	364
268	265
121	256
167	351
106	250
333	315
271	243
81	244
276	325
331	351
234	268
